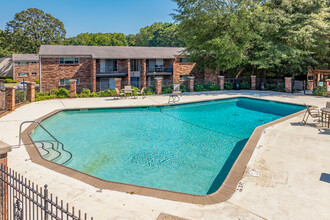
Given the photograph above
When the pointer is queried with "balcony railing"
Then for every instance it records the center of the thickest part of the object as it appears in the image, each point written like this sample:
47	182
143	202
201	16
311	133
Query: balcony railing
160	69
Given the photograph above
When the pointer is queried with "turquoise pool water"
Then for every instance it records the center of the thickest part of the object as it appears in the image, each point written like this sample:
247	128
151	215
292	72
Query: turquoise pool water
186	148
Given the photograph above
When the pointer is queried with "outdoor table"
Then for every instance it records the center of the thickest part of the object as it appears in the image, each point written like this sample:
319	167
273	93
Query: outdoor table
325	114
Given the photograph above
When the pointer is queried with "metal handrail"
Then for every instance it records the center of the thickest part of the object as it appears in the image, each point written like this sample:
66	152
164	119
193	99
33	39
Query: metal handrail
24	122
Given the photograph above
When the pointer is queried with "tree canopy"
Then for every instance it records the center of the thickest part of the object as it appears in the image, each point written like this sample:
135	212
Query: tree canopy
279	36
31	28
99	39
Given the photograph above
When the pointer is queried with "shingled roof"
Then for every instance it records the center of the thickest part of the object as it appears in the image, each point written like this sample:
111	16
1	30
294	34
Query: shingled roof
112	52
25	57
6	67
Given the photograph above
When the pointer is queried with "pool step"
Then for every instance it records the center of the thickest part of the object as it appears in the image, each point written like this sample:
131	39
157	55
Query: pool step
54	152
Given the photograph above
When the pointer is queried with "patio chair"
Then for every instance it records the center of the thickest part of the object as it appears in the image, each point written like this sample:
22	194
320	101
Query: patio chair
314	113
142	93
174	97
119	93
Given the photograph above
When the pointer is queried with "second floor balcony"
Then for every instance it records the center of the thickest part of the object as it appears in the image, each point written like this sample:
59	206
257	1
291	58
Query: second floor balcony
160	69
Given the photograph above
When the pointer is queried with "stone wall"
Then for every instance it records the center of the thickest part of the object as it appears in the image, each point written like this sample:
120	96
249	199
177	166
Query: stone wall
30	68
52	72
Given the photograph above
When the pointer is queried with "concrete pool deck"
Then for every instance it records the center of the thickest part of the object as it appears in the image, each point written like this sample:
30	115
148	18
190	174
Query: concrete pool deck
289	157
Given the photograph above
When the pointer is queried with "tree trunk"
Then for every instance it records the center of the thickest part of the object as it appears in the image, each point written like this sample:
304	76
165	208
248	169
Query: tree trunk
239	73
264	76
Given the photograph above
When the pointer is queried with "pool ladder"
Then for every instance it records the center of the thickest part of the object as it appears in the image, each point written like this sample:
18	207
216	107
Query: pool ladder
43	145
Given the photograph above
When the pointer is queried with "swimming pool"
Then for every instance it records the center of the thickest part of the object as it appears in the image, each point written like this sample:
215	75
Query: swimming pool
186	148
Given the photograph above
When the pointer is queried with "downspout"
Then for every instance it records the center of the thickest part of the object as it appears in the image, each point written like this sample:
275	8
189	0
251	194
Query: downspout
40	73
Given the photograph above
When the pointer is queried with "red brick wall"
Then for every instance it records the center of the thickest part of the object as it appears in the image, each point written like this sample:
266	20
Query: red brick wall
123	66
181	69
52	72
31	68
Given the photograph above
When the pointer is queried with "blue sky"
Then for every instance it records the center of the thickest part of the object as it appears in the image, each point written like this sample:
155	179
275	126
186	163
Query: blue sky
94	16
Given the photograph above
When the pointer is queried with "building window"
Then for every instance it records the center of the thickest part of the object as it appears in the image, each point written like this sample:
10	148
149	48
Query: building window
71	60
184	77
33	62
21	63
135	65
66	82
184	60
23	75
33	74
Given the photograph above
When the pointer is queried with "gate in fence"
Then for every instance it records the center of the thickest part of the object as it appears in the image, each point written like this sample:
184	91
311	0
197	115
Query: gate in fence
22	199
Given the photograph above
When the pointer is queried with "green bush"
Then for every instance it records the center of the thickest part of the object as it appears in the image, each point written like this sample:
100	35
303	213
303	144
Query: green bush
60	93
183	88
229	85
167	89
106	93
8	80
150	90
245	85
211	86
36	81
320	91
40	98
85	93
198	87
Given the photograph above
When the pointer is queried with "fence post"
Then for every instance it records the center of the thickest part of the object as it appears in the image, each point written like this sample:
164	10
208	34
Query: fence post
45	201
288	84
118	83
73	88
191	81
158	82
328	87
253	82
4	149
31	91
10	98
221	82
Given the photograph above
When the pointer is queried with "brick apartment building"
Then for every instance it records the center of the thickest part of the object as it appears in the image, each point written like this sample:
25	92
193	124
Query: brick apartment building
96	67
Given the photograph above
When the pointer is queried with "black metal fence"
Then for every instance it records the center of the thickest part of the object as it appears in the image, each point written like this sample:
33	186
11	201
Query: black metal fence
22	199
20	95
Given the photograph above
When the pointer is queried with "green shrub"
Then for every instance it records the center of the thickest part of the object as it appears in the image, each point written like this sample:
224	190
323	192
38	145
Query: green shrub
229	85
150	90
36	81
8	80
183	88
60	93
85	93
211	86
320	91
245	85
167	89
198	87
40	98
106	93
93	94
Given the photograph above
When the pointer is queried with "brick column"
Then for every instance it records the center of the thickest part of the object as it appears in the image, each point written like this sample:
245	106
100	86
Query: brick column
118	83
221	82
253	82
191	82
143	72
158	82
93	75
31	92
288	84
4	149
128	71
73	88
10	98
328	87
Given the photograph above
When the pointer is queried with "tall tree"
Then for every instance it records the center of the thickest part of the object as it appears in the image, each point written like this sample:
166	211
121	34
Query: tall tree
31	28
99	39
218	33
158	35
6	47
